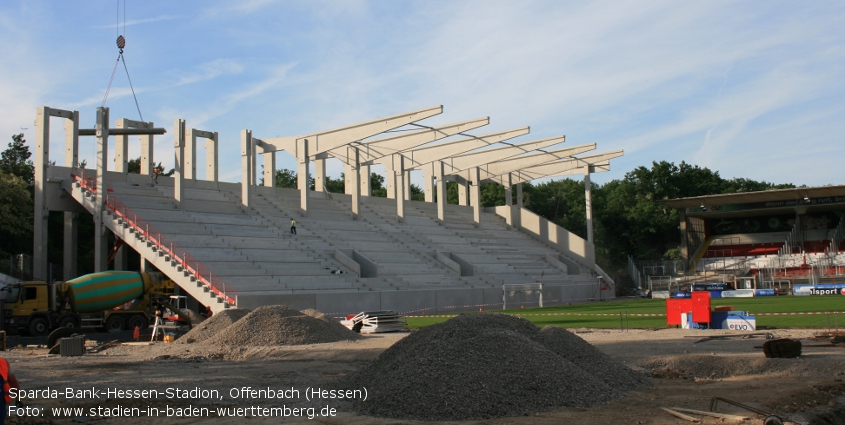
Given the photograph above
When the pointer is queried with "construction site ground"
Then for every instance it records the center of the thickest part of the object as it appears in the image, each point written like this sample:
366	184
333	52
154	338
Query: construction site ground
689	368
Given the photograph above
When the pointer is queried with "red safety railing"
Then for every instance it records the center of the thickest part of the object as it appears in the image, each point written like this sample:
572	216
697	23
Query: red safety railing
165	244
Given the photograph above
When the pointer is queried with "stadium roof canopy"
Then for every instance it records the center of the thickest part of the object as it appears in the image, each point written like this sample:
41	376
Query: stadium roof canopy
817	198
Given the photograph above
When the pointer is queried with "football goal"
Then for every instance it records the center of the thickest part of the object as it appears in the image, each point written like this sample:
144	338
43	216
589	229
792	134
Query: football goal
518	295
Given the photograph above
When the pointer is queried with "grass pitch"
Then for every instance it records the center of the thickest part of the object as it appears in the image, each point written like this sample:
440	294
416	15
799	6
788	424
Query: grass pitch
635	313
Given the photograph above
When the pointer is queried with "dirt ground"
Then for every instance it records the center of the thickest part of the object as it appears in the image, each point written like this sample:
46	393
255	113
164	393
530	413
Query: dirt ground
688	369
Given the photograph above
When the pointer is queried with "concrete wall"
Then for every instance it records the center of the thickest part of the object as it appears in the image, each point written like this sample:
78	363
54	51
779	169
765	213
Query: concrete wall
552	234
406	302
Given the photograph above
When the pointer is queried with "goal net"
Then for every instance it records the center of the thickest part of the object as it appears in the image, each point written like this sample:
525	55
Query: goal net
518	295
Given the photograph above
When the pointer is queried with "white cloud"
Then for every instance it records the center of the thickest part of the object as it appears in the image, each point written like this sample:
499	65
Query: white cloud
122	24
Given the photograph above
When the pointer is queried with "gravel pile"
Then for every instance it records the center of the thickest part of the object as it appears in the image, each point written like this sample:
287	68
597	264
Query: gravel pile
487	366
280	325
211	326
571	347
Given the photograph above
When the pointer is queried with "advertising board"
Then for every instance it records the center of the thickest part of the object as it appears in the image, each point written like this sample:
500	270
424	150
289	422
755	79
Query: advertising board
738	293
822	289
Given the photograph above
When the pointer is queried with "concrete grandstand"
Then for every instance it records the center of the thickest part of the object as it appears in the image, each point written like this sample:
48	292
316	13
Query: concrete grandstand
229	245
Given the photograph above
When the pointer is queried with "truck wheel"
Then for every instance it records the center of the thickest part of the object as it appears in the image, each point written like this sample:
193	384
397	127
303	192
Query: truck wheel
115	323
139	321
39	326
68	322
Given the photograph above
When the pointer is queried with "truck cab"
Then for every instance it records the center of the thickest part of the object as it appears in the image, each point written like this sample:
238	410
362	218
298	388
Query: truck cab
22	303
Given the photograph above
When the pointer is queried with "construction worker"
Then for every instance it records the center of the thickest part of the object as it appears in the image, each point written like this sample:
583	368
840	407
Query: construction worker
292	226
9	382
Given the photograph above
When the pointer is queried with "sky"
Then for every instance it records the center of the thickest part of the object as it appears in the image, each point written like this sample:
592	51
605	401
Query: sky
750	89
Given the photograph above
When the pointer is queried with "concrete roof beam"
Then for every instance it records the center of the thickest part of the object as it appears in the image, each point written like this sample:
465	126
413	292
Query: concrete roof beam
376	149
324	141
428	154
528	160
476	158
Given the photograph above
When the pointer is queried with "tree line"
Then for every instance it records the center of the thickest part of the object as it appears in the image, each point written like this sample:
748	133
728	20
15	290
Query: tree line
628	217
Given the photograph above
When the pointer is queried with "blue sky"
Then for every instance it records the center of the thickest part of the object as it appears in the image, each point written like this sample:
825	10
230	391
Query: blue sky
747	88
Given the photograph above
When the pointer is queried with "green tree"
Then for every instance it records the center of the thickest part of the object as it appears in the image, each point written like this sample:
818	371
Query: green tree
286	178
15	160
16	210
738	185
492	194
377	186
336	185
134	166
417	194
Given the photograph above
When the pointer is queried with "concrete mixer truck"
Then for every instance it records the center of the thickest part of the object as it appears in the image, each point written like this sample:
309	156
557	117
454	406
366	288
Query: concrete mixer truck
113	300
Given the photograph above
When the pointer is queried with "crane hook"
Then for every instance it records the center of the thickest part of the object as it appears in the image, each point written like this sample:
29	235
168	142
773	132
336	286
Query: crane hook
121	43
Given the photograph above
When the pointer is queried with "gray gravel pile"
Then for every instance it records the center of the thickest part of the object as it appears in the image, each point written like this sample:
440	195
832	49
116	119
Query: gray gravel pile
280	325
211	326
480	367
317	314
571	347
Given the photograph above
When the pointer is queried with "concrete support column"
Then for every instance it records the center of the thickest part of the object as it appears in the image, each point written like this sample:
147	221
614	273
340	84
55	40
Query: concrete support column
190	155
101	256
253	163
348	169
509	199
462	193
269	169
121	258
428	182
588	197
42	159
320	175
352	178
366	186
121	149
400	184
517	217
441	191
72	141
121	156
179	165
406	181
147	159
390	181
475	194
685	254
70	256
145	265
302	174
246	165
211	158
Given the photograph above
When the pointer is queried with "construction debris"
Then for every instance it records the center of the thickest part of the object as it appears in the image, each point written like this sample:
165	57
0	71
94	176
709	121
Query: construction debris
367	322
711	414
680	415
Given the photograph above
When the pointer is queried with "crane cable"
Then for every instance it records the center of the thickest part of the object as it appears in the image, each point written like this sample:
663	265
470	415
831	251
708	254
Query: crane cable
121	43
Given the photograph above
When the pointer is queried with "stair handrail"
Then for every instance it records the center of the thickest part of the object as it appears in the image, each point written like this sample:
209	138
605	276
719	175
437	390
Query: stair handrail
177	253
